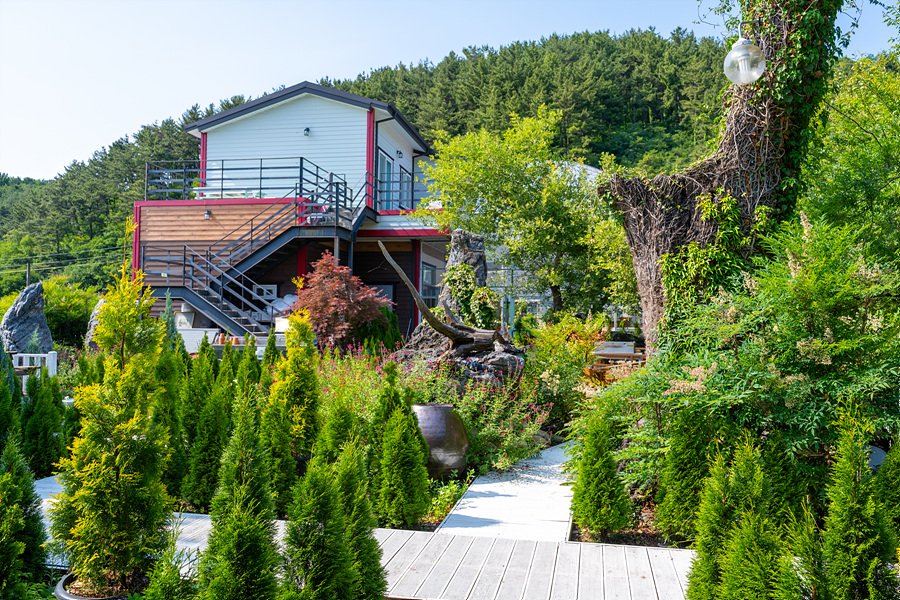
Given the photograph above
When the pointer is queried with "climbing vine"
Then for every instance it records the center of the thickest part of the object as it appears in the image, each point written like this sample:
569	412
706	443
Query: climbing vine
477	305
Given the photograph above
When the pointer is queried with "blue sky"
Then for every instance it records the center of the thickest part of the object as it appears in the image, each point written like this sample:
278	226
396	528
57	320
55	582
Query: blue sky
75	75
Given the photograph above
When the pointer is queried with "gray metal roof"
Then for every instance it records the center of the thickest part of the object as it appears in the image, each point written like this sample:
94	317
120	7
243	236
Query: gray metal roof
307	87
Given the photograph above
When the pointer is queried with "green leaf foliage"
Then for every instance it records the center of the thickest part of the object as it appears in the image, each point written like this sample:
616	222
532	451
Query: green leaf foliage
196	388
168	412
340	426
11	547
212	436
296	387
318	564
166	579
600	504
750	561
275	433
42	433
887	486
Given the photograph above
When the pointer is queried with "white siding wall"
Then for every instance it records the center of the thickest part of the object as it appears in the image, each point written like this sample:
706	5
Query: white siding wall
337	140
391	138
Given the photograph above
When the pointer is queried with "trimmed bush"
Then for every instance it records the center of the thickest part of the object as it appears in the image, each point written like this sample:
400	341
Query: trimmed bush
317	561
599	503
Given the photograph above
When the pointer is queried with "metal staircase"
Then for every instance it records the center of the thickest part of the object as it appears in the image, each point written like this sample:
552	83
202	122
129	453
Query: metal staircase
213	278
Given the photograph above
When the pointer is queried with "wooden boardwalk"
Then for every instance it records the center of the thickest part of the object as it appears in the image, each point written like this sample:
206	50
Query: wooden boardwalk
427	566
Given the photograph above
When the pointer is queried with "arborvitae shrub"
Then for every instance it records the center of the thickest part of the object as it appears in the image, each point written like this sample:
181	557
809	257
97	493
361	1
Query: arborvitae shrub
168	413
207	351
317	561
787	485
339	427
213	432
32	535
275	433
166	579
243	461
8	376
229	359
859	543
391	399
42	440
887	486
801	567
686	466
271	358
11	547
714	520
195	391
296	386
359	521
9	415
750	561
240	561
379	335
737	545
403	477
599	503
248	369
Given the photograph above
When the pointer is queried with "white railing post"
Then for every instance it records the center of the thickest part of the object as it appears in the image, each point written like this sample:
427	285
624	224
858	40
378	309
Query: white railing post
51	363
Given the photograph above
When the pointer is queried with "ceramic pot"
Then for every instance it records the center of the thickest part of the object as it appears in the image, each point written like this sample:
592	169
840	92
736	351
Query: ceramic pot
60	590
447	438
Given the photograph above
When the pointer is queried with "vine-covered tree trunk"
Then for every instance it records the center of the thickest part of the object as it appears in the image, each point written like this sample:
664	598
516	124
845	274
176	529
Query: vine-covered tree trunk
756	163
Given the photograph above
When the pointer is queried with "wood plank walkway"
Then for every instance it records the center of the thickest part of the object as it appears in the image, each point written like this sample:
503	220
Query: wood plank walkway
426	566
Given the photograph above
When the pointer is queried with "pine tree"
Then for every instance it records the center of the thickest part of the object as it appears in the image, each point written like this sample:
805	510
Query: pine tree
403	477
32	535
686	467
359	519
887	486
11	547
339	427
599	502
239	562
859	543
317	561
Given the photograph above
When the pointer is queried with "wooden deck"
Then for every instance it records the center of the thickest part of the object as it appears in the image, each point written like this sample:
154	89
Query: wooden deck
422	565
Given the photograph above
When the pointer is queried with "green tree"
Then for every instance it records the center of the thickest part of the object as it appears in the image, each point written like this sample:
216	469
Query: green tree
296	386
600	504
32	535
42	440
169	413
240	560
360	521
887	486
514	192
317	560
402	493
11	548
212	436
196	388
275	433
859	543
340	426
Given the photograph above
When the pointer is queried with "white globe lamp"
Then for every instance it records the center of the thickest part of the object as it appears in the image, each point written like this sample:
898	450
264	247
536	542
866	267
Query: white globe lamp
745	63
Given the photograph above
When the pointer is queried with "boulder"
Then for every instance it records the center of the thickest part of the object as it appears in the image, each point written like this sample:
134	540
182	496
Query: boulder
89	342
24	317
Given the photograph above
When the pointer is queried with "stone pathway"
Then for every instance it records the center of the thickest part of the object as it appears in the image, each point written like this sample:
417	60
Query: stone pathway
530	501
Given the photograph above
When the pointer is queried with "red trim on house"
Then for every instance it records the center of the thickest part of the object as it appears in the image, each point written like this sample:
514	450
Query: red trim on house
203	157
215	202
370	157
136	239
417	274
401	233
395	211
301	262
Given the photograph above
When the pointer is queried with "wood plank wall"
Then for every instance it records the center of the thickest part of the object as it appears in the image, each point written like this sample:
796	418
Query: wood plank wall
186	225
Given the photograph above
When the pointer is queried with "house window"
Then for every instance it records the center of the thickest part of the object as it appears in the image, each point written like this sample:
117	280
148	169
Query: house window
385	178
431	287
384	289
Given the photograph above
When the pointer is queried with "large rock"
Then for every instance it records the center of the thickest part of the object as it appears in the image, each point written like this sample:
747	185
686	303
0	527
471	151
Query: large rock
24	317
89	342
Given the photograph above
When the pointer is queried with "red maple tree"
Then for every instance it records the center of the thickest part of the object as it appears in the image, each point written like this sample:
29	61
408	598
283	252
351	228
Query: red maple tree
338	302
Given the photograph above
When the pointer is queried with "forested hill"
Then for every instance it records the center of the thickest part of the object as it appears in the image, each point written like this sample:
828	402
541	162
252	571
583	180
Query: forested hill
640	96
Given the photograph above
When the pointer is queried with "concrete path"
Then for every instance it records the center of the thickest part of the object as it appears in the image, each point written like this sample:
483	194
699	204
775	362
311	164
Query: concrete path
530	501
